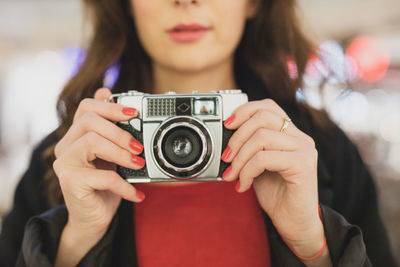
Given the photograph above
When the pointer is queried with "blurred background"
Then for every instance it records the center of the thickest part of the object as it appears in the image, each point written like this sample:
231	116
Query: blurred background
359	44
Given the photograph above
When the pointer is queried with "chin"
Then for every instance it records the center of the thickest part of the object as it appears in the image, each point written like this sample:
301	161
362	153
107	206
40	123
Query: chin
194	59
193	64
189	67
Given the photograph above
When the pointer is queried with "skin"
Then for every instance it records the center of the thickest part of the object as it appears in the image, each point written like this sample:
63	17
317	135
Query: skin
281	167
188	66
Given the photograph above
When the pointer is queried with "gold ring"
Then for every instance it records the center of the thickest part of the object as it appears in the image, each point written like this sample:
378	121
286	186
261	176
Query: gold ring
285	124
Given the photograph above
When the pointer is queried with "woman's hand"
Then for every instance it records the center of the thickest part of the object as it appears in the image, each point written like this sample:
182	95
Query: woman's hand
283	167
85	165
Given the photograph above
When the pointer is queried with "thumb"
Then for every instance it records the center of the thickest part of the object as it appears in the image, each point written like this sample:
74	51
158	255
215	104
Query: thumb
102	94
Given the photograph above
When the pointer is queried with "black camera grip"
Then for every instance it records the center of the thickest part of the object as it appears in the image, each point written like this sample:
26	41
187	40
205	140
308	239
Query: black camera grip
126	172
226	135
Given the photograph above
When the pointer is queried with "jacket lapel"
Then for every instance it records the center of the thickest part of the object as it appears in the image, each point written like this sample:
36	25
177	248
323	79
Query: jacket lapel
124	249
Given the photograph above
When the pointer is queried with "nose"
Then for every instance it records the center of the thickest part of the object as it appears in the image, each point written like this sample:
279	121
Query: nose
185	2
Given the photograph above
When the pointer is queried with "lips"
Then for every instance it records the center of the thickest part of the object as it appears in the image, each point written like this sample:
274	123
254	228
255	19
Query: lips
187	32
188	27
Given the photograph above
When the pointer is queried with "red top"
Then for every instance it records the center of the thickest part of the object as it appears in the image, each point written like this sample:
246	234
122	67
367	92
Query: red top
200	224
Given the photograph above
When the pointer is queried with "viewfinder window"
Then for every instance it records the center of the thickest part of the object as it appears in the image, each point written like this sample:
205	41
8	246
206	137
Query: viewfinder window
204	107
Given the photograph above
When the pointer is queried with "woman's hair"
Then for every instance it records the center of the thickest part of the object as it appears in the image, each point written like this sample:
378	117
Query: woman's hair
271	38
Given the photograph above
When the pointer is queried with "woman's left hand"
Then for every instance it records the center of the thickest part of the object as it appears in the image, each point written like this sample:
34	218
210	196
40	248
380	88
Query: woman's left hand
283	168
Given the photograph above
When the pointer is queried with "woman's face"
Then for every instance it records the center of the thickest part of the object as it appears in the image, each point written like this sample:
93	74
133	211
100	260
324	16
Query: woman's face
221	25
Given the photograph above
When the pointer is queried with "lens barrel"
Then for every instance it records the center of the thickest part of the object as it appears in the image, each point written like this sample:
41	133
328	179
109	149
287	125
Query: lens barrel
182	147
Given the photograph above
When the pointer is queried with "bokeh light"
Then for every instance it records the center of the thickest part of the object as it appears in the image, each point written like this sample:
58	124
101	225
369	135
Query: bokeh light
351	111
371	56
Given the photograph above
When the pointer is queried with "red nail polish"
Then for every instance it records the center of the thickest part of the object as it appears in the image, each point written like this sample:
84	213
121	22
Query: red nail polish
138	160
229	120
226	154
227	171
237	186
129	111
135	145
140	194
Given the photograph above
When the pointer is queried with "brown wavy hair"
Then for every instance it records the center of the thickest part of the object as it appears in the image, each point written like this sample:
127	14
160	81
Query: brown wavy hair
270	38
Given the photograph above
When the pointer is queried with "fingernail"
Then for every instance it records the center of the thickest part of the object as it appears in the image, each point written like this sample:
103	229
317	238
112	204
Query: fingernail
226	153
129	111
135	145
237	186
138	160
229	120
140	194
227	171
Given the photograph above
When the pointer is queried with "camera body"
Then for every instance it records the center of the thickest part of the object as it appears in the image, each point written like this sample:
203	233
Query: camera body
183	134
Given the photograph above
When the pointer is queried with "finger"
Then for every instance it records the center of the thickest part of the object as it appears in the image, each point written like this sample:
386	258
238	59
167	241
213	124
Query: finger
86	149
102	94
110	180
109	111
92	122
263	139
261	119
100	180
287	164
245	111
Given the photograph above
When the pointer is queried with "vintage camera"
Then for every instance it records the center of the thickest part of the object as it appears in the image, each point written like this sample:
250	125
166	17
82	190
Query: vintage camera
183	134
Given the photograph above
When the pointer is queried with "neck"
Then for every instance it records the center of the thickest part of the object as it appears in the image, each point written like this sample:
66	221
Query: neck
216	78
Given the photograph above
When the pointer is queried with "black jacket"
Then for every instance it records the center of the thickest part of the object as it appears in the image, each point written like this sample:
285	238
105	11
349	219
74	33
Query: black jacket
31	231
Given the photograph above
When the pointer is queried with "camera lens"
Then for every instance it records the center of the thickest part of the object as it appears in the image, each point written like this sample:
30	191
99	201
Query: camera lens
181	147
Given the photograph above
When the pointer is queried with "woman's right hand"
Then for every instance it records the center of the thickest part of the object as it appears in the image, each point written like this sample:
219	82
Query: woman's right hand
85	165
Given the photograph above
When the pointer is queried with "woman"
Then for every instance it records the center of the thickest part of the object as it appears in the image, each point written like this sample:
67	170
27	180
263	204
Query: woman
272	219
